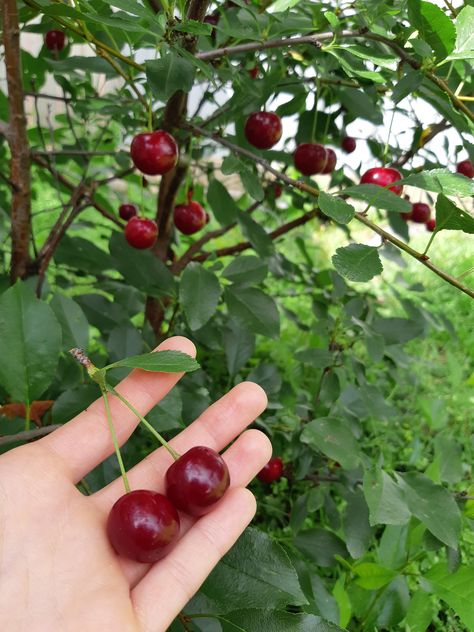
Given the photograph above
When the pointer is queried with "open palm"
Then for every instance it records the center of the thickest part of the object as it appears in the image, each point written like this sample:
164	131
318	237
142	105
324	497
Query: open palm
58	571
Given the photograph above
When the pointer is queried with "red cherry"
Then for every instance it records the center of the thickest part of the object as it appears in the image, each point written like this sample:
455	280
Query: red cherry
310	158
331	160
154	153
197	480
277	190
189	218
263	129
272	470
348	144
383	176
55	40
431	225
420	212
466	168
253	72
127	211
142	525
212	19
406	216
141	232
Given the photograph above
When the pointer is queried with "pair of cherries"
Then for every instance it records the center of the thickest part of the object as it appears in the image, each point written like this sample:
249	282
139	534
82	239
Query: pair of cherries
143	525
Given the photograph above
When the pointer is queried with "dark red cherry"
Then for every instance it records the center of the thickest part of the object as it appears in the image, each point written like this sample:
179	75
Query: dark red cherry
263	129
154	153
253	72
406	216
143	525
197	480
431	225
55	40
420	212
272	470
310	158
277	190
127	211
466	168
331	161
348	144
141	232
189	218
383	176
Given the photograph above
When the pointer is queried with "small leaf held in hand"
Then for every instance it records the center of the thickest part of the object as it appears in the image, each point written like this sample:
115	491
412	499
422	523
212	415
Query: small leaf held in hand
163	361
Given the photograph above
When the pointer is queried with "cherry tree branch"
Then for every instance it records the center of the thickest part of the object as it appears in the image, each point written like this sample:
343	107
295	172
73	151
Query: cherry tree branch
28	435
17	137
302	186
408	155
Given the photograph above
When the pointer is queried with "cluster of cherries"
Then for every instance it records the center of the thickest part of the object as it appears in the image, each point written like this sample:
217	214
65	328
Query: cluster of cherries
143	525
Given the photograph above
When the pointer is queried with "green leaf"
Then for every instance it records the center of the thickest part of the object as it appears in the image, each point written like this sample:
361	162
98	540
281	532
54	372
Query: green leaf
357	530
334	438
256	235
168	413
398	330
82	254
169	74
124	341
253	620
133	7
373	576
252	184
384	498
379	197
246	270
74	325
199	294
357	262
407	84
30	344
256	573
140	268
239	344
433	26
456	589
465	32
223	206
318	358
372	54
73	401
421	612
163	361
335	208
449	453
102	313
441	181
253	309
450	217
194	27
320	545
433	505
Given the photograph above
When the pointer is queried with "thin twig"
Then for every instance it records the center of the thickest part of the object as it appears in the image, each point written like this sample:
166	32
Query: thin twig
36	433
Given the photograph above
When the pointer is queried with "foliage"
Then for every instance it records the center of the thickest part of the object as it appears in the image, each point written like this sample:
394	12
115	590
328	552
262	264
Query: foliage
368	389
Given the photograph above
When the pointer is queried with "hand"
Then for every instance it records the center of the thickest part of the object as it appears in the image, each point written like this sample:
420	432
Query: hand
58	572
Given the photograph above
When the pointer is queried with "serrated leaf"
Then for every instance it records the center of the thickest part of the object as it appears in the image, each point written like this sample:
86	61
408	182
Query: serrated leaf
385	499
450	217
357	529
169	74
373	576
223	206
465	31
335	208
246	270
441	181
254	310
433	26
163	361
199	294
456	589
256	235
256	573
421	611
332	437
357	262
378	197
433	505
252	620
321	546
30	344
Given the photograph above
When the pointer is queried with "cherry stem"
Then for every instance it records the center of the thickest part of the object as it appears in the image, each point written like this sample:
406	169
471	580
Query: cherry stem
146	423
114	438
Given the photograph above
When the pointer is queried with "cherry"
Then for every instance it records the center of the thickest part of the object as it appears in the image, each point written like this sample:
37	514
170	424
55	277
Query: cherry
348	144
127	211
189	218
310	158
420	212
331	161
272	470
197	480
431	225
466	168
253	72
263	129
277	190
55	40
154	153
406	216
383	176
142	525
141	232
